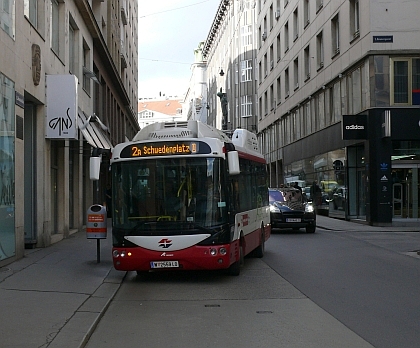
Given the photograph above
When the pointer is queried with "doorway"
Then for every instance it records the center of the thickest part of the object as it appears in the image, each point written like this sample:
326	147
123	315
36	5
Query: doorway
30	203
405	191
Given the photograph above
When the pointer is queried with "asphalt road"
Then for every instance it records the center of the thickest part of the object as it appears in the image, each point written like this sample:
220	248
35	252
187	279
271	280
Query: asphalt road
369	281
328	289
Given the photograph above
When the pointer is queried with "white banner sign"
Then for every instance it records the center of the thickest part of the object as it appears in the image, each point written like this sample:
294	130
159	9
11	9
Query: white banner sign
61	121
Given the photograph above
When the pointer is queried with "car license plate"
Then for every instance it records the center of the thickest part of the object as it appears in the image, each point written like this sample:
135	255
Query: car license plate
164	264
293	220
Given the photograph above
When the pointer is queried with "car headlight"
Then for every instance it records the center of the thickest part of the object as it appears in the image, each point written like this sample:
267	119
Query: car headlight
274	209
309	208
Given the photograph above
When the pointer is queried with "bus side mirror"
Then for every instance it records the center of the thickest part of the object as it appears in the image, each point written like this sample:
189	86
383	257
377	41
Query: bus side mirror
95	167
233	162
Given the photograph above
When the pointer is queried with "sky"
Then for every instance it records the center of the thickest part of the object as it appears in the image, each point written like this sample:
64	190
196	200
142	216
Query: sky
169	32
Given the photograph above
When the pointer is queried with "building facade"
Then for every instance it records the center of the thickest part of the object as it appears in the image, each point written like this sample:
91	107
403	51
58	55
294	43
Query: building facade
159	110
63	65
195	104
338	99
231	55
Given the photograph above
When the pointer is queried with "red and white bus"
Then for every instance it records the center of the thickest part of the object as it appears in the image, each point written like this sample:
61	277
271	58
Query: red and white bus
185	196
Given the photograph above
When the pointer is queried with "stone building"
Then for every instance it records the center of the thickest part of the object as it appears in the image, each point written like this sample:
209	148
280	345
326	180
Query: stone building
63	66
231	55
339	96
195	103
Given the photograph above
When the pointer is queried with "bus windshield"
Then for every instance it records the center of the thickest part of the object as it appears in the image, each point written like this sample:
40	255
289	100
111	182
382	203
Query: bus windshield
154	194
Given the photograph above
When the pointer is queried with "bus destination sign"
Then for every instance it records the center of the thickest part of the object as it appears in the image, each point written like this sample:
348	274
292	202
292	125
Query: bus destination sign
165	148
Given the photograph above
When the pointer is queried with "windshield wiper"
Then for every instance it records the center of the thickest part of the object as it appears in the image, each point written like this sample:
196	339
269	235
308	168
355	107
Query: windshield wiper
199	227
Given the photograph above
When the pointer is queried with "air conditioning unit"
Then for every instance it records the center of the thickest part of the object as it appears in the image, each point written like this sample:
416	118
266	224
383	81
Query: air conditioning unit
271	65
277	14
337	50
321	65
264	36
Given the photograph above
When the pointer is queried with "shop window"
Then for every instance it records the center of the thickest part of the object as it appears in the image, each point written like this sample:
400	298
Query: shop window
7	169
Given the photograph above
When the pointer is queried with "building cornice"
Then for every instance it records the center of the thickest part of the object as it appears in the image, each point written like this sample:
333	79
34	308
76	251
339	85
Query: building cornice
218	19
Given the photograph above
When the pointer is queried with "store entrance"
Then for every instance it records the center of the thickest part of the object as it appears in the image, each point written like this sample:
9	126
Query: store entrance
405	192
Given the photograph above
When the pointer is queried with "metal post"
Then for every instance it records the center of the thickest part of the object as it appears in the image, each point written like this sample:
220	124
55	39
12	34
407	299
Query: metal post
98	250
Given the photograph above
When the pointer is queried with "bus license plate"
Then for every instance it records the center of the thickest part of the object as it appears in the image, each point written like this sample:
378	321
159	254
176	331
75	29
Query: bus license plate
164	264
293	220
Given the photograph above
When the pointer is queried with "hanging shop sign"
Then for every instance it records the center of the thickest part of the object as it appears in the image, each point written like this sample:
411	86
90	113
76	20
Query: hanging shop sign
61	107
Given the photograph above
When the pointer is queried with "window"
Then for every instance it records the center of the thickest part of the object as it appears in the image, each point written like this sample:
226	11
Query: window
286	83
307	63
265	25
271	57
400	84
246	70
286	37
278	88
295	24
278	47
320	50
271	17
265	65
305	13
55	26
272	99
296	72
246	106
354	18
265	103
405	81
319	4
246	34
73	46
30	10
7	17
335	36
86	66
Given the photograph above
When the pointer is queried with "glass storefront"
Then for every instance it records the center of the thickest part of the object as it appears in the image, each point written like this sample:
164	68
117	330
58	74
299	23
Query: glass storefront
406	179
7	168
327	171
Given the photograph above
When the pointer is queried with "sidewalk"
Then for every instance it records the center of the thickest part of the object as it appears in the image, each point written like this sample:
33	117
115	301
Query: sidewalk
54	297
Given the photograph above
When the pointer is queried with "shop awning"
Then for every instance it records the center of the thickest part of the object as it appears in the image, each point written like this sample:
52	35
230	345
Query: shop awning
93	133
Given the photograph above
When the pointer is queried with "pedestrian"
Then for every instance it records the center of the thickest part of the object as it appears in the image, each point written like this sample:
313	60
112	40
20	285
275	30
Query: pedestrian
296	186
315	194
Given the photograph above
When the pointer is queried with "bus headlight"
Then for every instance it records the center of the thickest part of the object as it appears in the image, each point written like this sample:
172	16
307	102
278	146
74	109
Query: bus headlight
213	252
122	253
222	251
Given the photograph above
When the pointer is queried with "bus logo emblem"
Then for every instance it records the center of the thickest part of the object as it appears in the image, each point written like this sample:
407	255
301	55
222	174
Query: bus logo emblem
245	220
165	243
